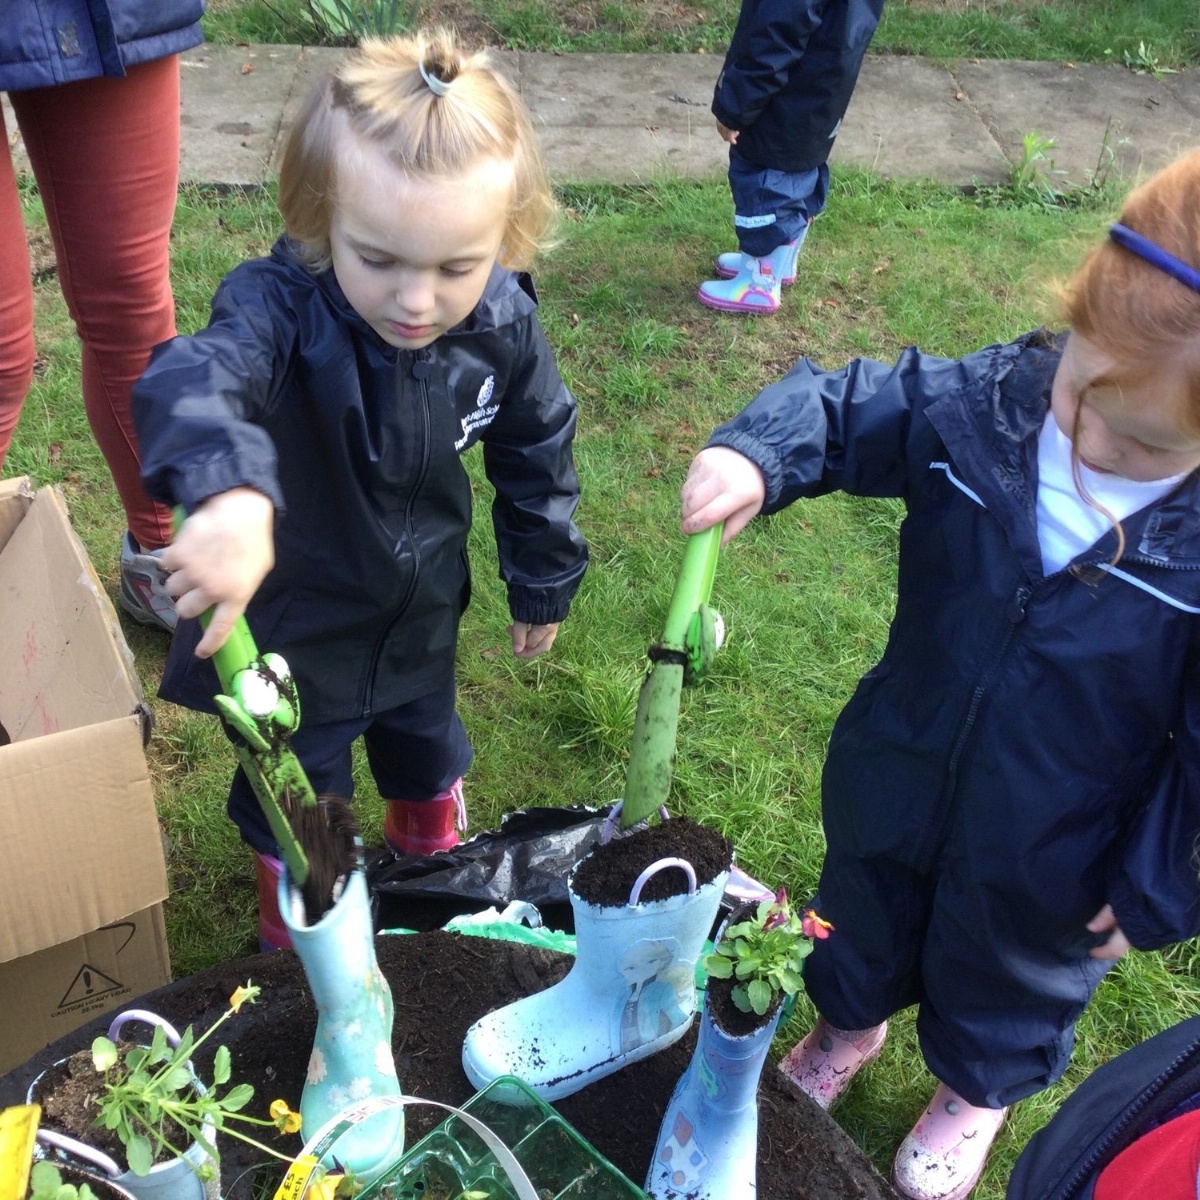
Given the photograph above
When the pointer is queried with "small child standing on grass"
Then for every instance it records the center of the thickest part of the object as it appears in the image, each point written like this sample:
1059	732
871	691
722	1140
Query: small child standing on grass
779	102
1011	798
337	386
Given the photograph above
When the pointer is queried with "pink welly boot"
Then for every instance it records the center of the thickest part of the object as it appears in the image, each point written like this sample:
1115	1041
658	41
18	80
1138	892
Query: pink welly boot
272	932
426	826
822	1065
944	1155
731	262
754	289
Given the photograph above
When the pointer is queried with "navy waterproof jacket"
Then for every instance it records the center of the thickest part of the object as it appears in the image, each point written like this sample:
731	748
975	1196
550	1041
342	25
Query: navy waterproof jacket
359	445
788	77
1048	724
1121	1101
47	42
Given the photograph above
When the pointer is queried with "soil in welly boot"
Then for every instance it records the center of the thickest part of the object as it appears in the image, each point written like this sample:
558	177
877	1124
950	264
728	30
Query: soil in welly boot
606	877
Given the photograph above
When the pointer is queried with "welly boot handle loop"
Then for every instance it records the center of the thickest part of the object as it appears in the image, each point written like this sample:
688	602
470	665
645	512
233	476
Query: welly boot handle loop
141	1014
80	1150
653	869
610	822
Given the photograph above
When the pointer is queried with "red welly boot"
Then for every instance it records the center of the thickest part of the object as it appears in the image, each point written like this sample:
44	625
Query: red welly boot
272	932
426	826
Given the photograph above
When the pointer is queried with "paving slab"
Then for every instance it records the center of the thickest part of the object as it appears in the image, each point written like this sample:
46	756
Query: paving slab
1185	87
1088	109
233	100
908	119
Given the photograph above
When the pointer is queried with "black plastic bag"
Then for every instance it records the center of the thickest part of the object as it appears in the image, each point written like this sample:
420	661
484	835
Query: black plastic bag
528	858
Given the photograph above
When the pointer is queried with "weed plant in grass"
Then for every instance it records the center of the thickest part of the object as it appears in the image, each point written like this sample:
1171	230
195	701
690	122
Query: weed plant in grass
807	595
1150	35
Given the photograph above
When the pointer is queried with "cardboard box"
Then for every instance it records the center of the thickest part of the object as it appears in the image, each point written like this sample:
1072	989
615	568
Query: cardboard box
82	873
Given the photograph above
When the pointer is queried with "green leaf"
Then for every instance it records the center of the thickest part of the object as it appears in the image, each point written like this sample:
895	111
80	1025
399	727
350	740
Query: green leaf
718	967
759	994
222	1063
177	1079
237	1097
138	1155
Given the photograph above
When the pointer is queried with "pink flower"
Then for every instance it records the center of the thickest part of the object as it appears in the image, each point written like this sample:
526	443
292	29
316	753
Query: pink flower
814	926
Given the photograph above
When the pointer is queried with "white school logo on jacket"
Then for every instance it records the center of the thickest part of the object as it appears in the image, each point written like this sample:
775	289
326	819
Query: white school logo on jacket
481	415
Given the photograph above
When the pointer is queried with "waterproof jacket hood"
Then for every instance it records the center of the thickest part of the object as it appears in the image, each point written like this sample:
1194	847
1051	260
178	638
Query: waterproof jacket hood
359	445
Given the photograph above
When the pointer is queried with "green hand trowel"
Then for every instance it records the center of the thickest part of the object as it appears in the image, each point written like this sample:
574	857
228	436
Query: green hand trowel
260	708
691	637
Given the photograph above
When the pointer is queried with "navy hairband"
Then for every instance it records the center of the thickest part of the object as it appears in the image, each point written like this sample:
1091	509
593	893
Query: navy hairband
1154	254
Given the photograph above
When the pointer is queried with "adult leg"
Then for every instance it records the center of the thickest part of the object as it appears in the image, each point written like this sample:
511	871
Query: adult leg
418	754
16	302
106	156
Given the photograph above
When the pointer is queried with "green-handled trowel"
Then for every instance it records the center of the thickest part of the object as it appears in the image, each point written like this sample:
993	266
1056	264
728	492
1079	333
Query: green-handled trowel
691	637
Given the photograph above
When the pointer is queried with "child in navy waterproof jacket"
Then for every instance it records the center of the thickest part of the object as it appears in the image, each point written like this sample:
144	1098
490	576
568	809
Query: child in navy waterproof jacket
1131	1128
779	102
1011	798
337	386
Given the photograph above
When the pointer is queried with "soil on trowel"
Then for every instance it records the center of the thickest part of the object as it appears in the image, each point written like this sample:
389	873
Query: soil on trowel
442	983
609	872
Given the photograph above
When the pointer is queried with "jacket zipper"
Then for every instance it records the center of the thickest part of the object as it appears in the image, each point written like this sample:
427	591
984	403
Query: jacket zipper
1014	613
381	640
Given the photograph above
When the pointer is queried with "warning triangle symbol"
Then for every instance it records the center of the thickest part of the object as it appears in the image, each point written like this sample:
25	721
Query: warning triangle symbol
88	982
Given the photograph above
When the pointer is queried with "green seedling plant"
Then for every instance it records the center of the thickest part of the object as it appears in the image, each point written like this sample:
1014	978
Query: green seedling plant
148	1090
46	1183
766	954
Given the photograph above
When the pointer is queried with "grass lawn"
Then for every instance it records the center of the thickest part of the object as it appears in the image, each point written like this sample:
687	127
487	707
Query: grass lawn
1146	35
807	596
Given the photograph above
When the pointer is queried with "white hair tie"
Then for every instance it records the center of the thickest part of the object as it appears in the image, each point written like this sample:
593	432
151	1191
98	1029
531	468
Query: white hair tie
439	87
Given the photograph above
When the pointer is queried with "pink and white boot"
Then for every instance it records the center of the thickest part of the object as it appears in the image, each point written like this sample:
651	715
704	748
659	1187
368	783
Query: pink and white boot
822	1065
730	263
944	1155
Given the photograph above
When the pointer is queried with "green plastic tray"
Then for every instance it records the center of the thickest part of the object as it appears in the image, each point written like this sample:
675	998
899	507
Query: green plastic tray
452	1159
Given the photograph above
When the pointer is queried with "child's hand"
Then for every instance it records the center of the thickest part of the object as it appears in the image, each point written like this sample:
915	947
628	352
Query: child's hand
528	641
219	558
727	134
1117	945
721	485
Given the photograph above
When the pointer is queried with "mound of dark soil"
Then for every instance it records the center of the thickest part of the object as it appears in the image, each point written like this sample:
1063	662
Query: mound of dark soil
441	983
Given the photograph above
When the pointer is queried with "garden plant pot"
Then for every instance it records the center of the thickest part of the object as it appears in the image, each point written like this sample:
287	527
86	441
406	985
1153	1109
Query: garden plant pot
174	1179
707	1145
630	993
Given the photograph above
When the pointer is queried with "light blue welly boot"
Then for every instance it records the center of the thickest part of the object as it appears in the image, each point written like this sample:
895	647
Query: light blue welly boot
630	993
708	1142
351	1056
754	289
730	263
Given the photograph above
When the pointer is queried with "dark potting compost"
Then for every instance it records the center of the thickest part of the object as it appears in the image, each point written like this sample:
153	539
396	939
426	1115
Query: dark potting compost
442	983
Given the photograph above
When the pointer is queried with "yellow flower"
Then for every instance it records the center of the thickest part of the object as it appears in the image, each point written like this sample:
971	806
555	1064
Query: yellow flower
243	995
286	1121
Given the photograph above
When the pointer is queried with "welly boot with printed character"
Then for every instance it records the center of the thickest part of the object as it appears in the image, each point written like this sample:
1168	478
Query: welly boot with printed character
351	1057
708	1143
630	993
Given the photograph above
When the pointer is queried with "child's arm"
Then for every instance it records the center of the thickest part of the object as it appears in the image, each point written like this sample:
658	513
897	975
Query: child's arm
721	485
778	36
219	557
1153	877
528	457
